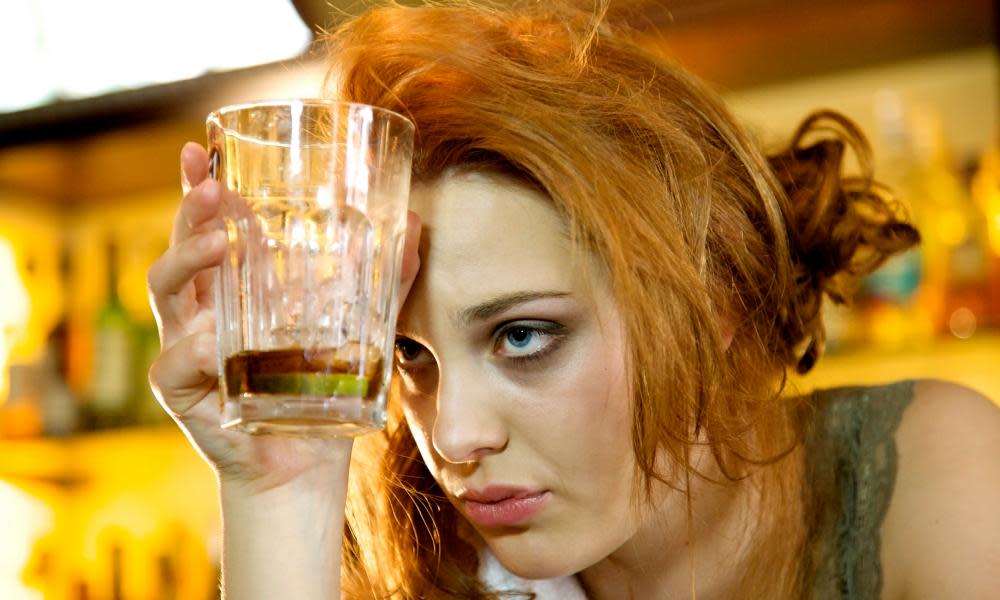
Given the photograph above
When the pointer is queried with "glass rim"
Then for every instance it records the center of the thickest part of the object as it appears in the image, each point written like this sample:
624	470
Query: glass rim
215	116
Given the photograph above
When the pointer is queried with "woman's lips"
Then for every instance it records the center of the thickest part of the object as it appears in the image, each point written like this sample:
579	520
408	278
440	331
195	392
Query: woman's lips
502	506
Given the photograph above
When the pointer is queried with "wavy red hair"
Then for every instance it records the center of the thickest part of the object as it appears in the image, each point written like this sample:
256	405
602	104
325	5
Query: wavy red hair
700	233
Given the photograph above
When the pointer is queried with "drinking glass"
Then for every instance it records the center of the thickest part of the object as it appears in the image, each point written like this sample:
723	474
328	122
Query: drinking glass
314	206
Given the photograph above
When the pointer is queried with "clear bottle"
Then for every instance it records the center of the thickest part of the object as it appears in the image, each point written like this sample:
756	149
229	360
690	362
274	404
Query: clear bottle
21	414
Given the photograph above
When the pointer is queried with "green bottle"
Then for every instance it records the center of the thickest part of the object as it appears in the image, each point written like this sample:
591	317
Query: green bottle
112	384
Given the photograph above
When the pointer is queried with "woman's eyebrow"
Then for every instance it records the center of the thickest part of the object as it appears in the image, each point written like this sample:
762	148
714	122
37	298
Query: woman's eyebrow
495	306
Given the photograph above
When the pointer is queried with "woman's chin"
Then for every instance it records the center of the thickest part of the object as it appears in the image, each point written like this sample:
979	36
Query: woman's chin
529	561
527	569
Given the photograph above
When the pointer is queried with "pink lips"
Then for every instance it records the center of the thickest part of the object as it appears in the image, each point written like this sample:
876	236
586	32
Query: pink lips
502	506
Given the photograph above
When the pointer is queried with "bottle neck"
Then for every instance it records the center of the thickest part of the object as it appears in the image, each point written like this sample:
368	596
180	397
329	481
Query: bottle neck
112	279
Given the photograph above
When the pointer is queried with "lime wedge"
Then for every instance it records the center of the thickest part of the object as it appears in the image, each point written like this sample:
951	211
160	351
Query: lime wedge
310	384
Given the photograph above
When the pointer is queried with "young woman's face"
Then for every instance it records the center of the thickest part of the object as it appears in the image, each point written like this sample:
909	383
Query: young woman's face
511	359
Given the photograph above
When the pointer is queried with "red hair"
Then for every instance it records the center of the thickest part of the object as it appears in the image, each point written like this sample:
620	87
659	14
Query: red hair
695	226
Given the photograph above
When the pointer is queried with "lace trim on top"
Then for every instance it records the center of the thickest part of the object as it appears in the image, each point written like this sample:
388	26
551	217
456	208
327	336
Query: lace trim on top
851	451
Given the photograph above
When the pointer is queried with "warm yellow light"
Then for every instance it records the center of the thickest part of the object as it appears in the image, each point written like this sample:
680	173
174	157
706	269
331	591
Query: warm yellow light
962	323
951	227
888	326
14	310
986	192
991	202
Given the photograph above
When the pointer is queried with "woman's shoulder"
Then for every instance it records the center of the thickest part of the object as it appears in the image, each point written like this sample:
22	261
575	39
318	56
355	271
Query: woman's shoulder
941	534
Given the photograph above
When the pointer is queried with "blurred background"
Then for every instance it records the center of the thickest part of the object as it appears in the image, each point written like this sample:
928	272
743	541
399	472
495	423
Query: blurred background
102	498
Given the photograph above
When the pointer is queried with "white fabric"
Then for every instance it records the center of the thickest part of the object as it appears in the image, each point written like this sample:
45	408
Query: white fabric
497	578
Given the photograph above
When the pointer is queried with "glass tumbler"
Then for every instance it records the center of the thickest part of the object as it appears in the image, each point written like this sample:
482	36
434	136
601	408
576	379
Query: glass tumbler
314	206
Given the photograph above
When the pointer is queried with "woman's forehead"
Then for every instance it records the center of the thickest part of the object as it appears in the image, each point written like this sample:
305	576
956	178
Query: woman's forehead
491	222
488	236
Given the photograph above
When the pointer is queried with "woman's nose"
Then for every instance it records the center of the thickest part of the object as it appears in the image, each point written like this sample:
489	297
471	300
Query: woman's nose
468	424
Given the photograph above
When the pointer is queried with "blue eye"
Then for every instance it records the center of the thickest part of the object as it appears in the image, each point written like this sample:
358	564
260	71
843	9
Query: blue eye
527	340
520	337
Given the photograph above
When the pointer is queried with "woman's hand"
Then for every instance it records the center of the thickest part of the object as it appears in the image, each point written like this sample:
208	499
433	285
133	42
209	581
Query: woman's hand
184	377
283	498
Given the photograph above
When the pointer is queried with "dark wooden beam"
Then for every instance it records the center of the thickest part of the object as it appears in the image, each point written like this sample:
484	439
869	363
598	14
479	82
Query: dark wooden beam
742	43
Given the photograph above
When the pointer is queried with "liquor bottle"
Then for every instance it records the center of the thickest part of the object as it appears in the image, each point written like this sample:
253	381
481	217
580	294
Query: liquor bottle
893	302
166	570
985	188
116	572
61	412
81	590
955	234
59	408
21	414
112	382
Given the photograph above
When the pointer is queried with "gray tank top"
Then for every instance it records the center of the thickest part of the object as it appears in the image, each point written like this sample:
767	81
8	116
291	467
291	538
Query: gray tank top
850	474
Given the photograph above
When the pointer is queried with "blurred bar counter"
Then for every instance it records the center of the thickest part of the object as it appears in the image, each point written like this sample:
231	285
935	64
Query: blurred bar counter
974	362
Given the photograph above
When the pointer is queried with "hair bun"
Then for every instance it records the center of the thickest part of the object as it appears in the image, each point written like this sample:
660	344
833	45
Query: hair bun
840	229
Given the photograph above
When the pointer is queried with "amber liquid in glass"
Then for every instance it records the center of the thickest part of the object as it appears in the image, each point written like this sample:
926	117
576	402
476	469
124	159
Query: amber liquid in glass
321	377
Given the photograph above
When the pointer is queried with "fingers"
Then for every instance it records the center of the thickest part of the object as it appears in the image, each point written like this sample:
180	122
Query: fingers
180	263
185	373
199	209
169	279
194	166
411	258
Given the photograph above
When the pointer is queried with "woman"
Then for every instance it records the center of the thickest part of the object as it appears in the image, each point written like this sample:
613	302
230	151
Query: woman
605	282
